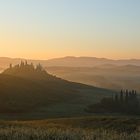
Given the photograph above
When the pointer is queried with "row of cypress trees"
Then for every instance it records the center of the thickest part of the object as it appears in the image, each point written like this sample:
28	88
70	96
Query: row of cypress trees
126	96
125	102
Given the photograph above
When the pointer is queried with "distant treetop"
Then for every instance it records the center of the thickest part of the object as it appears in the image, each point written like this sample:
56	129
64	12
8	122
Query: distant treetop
25	67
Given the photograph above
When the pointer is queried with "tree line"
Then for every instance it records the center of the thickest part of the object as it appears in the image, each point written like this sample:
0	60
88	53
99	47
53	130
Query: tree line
25	66
124	102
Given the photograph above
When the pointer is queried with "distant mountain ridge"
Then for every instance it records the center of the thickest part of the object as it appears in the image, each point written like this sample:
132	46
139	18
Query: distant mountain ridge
90	61
71	61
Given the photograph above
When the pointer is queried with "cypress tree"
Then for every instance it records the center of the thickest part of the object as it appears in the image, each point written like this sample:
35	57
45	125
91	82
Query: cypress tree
121	96
126	96
129	95
10	66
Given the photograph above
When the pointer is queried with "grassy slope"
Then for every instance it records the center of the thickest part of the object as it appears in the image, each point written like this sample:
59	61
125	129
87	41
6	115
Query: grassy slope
84	128
42	96
117	123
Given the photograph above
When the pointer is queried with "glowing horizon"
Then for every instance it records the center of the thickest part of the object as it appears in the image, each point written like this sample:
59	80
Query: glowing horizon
48	29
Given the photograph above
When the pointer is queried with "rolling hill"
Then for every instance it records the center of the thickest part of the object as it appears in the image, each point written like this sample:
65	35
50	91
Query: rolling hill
31	91
71	61
99	72
105	76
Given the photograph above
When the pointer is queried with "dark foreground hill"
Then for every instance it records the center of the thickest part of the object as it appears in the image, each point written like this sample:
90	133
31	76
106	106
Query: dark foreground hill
31	90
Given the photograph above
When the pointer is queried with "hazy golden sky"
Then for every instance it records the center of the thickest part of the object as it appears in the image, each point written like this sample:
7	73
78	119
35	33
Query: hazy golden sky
41	29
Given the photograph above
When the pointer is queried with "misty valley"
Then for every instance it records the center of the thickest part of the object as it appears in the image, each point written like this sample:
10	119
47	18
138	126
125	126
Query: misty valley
30	92
69	69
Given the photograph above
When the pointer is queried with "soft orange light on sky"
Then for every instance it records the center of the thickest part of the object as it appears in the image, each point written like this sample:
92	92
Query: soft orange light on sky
48	29
46	49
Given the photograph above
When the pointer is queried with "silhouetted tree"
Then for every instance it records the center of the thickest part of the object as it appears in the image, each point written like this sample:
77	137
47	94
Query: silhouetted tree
121	96
125	102
126	96
24	68
21	64
26	63
10	66
39	67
